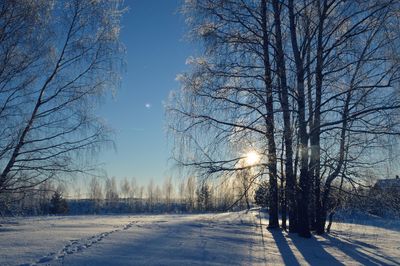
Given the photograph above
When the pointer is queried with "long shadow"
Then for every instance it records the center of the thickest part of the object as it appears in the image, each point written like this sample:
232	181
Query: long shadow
284	249
287	254
352	249
313	251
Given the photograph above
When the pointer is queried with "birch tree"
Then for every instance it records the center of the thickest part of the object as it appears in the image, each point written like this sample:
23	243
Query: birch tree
57	58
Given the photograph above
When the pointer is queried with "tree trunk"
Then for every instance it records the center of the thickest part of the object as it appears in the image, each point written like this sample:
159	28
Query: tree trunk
290	185
328	228
304	184
282	194
323	212
270	134
315	129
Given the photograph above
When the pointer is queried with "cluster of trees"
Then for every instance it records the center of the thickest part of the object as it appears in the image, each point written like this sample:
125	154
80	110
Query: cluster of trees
46	198
56	59
312	86
127	196
189	195
368	200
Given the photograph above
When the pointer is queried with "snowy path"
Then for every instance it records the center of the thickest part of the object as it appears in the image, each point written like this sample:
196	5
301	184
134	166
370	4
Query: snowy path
180	240
206	239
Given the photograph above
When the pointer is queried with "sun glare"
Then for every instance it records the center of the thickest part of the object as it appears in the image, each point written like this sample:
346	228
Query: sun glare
252	158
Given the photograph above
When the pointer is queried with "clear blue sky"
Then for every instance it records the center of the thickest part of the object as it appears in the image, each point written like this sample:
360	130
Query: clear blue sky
153	33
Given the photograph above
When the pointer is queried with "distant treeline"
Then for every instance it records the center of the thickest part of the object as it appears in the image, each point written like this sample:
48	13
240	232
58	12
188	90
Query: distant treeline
106	196
118	206
125	206
188	196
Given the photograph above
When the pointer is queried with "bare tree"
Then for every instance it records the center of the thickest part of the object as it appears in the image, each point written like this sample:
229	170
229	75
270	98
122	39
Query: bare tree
140	196
151	197
57	58
125	189
190	192
368	99
111	190
95	192
168	192
229	94
331	67
288	176
133	193
340	53
244	178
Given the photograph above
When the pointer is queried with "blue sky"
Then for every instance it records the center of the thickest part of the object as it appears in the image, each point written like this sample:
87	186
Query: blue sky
153	33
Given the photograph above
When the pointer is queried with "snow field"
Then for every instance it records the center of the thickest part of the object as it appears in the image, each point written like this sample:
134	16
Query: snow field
238	238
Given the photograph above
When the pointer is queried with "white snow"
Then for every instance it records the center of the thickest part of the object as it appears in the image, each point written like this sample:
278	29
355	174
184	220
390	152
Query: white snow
237	238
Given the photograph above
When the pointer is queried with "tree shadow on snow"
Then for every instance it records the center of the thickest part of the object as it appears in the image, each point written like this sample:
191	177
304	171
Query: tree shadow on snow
287	254
313	251
358	252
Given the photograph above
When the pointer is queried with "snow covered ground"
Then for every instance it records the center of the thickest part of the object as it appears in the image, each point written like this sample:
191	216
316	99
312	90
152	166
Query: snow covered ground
238	238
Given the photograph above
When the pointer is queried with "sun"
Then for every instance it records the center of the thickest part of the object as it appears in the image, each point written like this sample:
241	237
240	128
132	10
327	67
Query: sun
252	158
